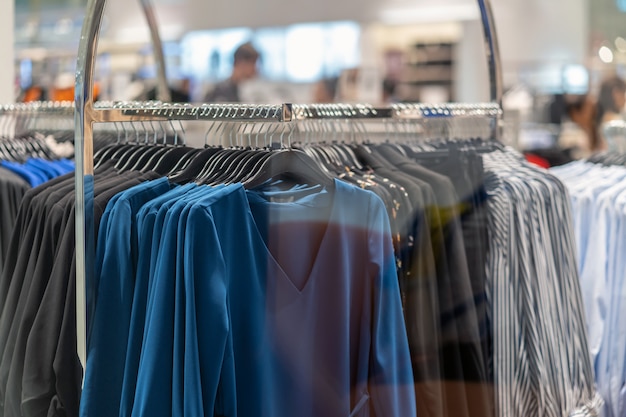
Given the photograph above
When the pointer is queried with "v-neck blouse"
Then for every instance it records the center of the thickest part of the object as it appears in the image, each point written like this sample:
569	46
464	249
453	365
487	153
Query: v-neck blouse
336	346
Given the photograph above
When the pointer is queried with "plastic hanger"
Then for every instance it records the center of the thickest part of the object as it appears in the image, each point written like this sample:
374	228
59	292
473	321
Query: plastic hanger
143	158
108	152
227	164
4	155
214	165
228	168
191	169
195	167
15	154
135	159
292	164
129	158
254	163
183	162
251	165
164	162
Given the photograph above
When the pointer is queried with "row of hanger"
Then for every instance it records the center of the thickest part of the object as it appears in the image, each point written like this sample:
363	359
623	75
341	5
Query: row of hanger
310	151
313	152
20	149
216	164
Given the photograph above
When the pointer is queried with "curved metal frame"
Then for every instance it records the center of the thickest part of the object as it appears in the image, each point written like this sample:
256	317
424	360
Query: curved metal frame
494	63
86	115
163	91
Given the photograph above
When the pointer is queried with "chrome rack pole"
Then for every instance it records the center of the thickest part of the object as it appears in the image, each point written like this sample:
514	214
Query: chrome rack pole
83	142
84	118
163	91
494	61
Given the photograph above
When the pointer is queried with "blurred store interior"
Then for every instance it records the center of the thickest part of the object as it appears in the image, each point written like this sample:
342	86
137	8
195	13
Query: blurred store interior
357	50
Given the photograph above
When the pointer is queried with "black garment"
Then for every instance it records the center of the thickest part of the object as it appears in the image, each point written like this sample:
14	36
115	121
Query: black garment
12	190
61	388
462	369
462	354
18	277
20	232
56	214
39	369
18	274
466	172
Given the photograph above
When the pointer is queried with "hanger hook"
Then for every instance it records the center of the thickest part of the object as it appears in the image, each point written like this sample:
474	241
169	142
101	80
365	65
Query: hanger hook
174	131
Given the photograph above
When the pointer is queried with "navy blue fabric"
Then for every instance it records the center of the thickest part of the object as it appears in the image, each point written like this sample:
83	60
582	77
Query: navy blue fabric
146	219
153	394
109	339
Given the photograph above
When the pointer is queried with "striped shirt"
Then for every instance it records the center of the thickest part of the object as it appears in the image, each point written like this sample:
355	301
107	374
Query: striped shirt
541	355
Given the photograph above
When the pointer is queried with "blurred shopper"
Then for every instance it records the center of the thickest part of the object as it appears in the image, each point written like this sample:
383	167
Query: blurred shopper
245	62
389	91
611	100
579	129
325	90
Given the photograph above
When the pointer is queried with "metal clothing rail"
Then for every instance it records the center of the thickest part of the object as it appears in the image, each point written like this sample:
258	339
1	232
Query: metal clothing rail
87	114
129	111
53	108
396	111
207	112
22	117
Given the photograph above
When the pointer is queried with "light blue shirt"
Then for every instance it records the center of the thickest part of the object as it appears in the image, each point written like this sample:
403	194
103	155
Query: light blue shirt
598	196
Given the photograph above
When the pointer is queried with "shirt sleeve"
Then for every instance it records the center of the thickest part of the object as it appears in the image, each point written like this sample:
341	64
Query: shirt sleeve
107	341
206	317
391	379
153	394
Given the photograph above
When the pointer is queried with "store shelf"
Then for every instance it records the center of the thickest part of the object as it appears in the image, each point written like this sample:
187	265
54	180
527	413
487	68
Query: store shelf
427	66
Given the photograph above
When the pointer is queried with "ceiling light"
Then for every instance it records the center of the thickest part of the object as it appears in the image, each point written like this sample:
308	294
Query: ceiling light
606	55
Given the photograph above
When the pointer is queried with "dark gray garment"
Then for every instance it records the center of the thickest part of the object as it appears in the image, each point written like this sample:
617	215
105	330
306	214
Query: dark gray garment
12	189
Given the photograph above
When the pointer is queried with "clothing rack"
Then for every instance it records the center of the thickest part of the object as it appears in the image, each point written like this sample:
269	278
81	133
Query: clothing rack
17	118
87	114
396	111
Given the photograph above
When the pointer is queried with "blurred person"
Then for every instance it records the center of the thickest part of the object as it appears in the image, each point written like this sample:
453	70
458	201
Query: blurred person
325	90
245	61
611	100
389	91
579	130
